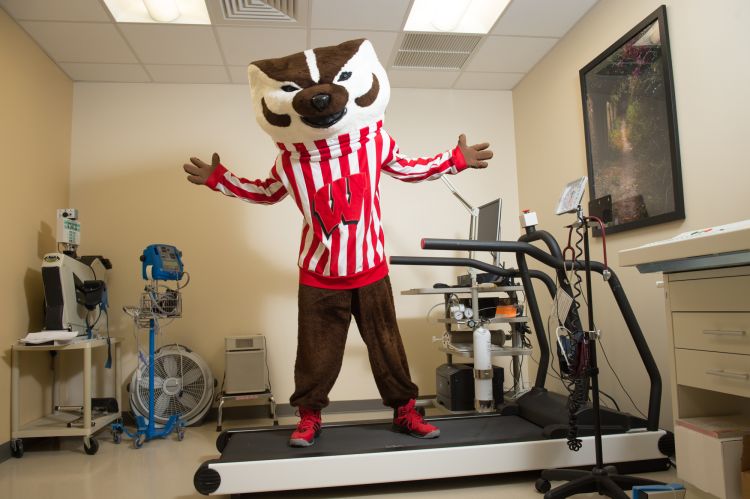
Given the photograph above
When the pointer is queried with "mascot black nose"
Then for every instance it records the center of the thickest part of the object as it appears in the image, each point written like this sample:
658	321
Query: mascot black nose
321	101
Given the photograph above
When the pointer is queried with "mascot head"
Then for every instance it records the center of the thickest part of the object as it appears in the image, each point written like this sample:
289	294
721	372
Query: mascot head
319	93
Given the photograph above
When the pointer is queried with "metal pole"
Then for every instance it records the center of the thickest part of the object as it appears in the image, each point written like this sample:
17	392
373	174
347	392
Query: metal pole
87	389
151	341
593	367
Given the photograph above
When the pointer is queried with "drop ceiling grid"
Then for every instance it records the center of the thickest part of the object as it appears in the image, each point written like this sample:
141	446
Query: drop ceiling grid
221	51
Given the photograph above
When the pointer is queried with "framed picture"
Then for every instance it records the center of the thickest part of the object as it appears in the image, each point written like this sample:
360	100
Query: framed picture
630	124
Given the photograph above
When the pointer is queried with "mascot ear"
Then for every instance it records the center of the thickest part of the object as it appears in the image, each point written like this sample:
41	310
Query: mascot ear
252	74
366	46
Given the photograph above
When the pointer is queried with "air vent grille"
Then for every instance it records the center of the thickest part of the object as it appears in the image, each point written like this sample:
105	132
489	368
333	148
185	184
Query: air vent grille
259	10
435	51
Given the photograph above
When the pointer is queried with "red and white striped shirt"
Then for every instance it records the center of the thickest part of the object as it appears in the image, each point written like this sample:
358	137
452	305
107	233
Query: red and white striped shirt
335	185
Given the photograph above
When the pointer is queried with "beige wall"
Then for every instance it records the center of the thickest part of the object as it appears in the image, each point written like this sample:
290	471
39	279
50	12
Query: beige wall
35	142
129	144
709	45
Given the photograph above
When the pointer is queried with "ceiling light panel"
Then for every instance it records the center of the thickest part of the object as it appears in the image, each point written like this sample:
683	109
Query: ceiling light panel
455	16
135	11
44	10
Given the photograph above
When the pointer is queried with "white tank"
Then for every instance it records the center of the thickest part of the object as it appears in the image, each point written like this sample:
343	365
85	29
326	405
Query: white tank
483	370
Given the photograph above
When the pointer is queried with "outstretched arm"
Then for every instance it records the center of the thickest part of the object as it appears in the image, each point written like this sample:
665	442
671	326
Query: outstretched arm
218	178
453	161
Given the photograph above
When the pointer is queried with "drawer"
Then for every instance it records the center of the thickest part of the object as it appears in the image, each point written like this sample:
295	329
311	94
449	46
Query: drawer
719	372
719	332
727	294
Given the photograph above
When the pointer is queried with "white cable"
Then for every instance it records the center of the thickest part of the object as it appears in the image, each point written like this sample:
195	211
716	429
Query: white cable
433	308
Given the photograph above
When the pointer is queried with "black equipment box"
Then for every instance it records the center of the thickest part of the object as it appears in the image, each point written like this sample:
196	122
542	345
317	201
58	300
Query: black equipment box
455	386
483	277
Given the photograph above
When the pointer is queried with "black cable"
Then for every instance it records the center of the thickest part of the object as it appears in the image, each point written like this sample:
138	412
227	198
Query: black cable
601	344
108	362
268	370
612	399
575	382
627	394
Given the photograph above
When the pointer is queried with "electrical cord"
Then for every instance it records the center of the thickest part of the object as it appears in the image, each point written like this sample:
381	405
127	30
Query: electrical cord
575	380
601	345
433	308
617	406
108	362
617	377
604	237
268	370
179	286
556	375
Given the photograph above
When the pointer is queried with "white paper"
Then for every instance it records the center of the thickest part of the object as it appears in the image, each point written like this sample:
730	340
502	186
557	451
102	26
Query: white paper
571	196
47	336
706	232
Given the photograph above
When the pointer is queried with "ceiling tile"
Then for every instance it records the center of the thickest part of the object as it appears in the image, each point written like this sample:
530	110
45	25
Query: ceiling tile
488	81
170	44
45	10
509	54
384	42
80	42
131	73
238	74
241	46
359	14
188	74
421	79
541	17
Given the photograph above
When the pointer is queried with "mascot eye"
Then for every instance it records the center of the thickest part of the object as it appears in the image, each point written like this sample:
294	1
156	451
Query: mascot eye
345	76
289	88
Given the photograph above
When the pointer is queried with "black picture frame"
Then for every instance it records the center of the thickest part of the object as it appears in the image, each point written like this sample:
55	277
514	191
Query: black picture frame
630	125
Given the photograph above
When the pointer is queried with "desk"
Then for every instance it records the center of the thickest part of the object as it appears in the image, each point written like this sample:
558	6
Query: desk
707	296
55	424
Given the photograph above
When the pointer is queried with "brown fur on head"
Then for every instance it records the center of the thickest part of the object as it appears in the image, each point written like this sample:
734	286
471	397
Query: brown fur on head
319	93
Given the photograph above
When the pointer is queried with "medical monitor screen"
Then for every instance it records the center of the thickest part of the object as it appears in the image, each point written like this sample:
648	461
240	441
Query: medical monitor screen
488	225
489	221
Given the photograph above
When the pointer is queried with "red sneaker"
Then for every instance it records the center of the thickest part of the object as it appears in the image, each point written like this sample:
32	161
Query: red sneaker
308	428
408	420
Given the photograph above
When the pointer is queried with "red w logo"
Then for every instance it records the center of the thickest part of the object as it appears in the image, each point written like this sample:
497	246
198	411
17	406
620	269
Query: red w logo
340	202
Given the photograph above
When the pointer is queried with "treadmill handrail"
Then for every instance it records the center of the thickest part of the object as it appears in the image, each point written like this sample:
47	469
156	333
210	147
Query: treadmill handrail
521	249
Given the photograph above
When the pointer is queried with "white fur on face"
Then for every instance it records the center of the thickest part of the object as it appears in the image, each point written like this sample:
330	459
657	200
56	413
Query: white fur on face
312	65
362	66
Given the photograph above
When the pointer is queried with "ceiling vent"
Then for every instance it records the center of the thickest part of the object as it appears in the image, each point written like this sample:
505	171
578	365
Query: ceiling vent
435	51
259	10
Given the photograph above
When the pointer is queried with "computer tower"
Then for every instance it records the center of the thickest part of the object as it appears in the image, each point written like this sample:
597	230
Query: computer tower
245	364
454	384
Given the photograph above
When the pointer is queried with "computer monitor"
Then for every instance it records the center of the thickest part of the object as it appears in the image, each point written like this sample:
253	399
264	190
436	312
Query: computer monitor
488	224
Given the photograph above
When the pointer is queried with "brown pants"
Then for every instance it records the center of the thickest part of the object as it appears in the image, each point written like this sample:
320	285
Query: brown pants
324	318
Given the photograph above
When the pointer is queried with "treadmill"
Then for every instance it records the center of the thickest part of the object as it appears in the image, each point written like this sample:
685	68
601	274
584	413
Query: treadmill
525	435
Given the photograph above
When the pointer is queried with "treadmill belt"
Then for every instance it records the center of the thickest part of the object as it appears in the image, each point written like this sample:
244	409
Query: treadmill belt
269	444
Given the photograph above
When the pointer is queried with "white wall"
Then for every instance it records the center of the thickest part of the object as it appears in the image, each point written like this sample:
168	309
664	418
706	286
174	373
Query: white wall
129	143
709	54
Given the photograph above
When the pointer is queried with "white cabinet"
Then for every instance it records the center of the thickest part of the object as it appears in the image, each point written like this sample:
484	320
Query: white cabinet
707	291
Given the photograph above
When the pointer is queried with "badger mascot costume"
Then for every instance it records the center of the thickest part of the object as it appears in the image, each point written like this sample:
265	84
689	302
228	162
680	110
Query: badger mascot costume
324	109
